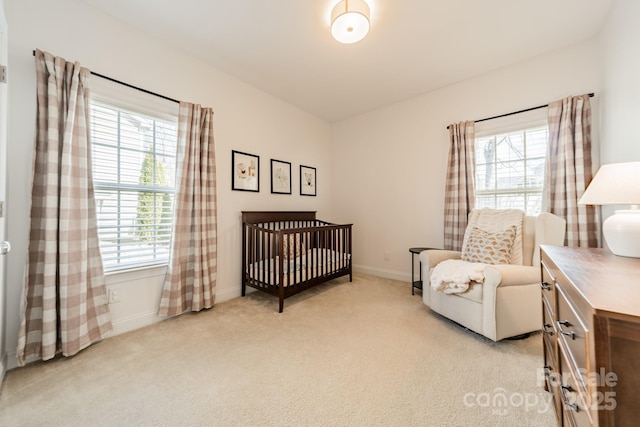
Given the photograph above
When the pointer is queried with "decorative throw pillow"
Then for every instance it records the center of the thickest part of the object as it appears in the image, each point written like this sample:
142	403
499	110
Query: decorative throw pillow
495	220
291	245
490	248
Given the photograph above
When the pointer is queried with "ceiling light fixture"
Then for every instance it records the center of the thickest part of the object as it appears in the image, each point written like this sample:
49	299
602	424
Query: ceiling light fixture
350	21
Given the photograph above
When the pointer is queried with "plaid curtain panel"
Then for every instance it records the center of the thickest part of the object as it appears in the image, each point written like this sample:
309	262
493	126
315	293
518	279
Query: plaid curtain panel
190	281
569	168
65	304
459	197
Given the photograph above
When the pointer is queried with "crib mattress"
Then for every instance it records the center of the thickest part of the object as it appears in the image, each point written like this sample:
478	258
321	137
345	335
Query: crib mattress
314	263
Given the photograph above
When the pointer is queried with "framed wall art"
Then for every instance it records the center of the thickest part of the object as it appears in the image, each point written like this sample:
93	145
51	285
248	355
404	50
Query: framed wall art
307	181
245	171
280	177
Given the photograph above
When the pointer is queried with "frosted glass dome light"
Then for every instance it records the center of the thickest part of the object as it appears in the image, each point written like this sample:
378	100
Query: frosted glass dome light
350	21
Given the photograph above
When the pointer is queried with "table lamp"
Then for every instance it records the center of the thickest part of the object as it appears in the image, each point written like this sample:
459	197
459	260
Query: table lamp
618	184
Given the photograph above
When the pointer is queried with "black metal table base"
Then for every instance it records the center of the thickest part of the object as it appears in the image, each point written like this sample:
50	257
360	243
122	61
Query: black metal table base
416	284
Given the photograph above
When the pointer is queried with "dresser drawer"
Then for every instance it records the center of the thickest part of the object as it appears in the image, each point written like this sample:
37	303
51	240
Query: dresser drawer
573	399
574	336
548	286
548	331
552	383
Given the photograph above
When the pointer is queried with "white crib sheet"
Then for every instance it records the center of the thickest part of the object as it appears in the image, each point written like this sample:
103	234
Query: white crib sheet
322	260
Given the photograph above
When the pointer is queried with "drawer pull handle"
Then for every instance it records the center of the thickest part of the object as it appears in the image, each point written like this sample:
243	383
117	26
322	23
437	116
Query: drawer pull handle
563	332
547	328
567	388
546	286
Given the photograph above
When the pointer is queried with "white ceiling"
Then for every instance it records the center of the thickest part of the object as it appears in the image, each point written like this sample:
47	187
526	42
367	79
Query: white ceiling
284	47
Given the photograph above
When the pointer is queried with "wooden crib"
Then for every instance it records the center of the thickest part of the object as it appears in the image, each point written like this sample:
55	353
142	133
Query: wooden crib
284	253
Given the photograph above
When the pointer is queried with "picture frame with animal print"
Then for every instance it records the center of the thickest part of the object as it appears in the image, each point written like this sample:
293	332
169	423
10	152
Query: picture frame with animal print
280	177
245	171
307	181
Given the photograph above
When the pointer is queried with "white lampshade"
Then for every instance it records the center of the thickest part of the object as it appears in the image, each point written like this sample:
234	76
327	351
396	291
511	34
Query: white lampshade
618	184
614	184
350	21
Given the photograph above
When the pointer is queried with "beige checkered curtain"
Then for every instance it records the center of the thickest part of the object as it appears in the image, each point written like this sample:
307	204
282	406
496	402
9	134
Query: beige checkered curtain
569	170
190	282
64	300
459	197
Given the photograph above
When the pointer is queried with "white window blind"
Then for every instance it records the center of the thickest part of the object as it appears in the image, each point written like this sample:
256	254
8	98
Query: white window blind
510	169
134	156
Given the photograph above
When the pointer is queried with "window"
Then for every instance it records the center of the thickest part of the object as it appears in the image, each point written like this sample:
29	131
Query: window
510	169
134	156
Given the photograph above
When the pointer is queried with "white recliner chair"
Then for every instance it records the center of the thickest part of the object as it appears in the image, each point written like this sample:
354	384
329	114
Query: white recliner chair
508	303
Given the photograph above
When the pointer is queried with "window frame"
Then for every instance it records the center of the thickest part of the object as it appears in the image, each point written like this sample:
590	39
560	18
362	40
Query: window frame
113	95
510	124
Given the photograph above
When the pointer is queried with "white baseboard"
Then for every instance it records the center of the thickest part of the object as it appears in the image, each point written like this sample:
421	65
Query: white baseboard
137	321
11	360
379	272
223	295
3	367
140	320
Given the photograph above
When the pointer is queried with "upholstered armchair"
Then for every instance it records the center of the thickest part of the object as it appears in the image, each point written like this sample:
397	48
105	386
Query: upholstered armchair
507	303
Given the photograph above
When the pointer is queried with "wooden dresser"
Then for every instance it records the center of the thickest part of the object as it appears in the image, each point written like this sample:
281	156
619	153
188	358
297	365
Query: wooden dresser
591	325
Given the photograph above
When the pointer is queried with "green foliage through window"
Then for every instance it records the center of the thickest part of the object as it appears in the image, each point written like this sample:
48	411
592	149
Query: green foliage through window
154	209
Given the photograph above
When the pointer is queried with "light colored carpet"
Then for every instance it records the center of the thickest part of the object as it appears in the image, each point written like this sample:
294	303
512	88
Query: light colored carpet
364	353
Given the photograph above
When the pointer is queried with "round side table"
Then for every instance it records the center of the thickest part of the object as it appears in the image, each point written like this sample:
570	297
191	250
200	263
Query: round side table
416	284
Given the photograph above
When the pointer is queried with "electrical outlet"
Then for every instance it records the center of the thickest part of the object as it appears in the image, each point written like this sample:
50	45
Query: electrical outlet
387	255
114	295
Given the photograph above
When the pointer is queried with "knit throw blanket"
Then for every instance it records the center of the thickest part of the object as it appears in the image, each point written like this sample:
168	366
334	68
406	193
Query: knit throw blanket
453	276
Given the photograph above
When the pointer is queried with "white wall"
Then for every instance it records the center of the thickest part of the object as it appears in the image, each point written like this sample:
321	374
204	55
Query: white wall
245	119
3	166
389	165
620	43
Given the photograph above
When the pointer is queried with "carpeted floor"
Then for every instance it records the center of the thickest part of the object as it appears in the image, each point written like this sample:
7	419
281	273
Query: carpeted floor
365	353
